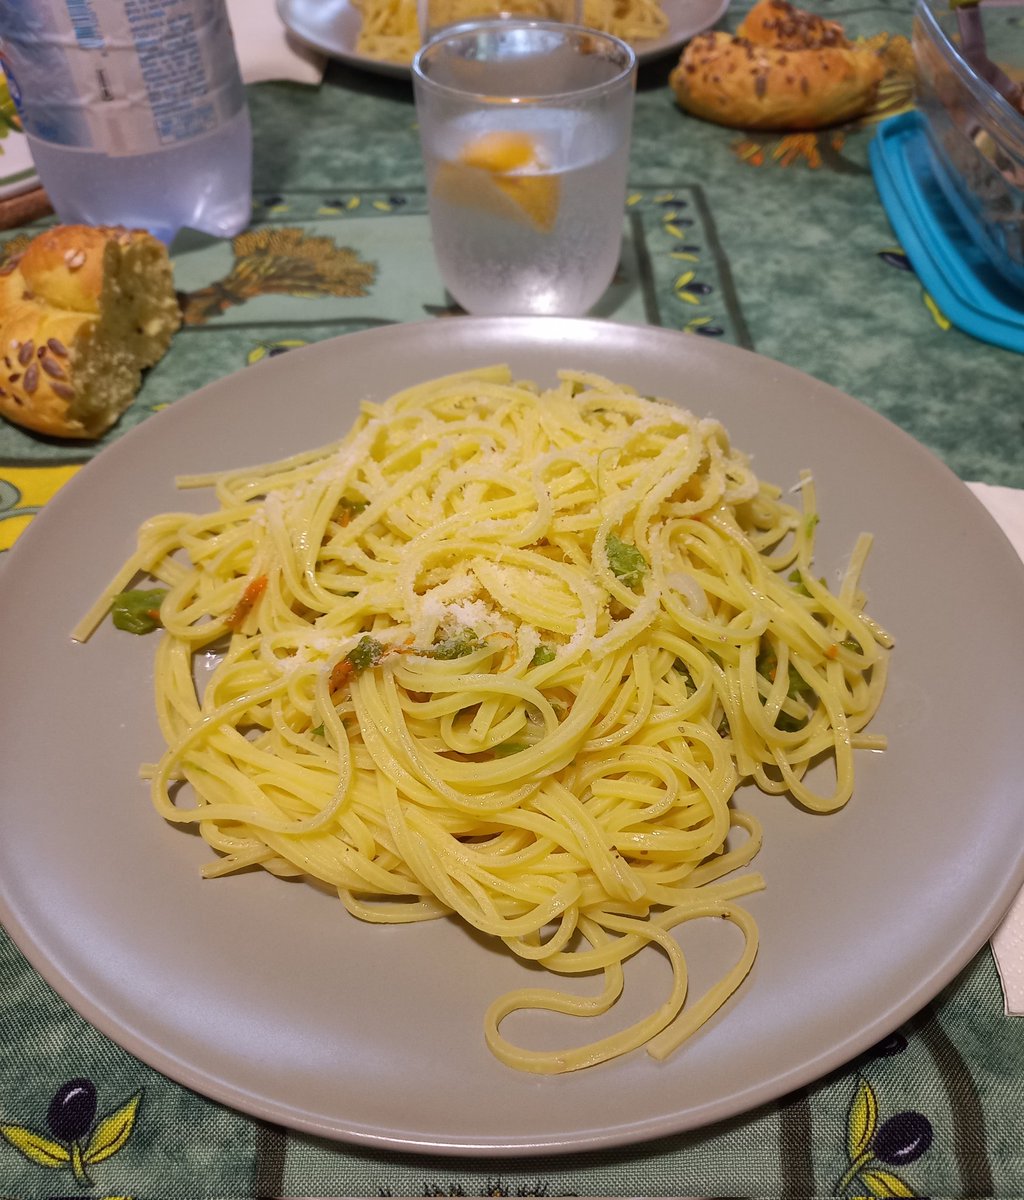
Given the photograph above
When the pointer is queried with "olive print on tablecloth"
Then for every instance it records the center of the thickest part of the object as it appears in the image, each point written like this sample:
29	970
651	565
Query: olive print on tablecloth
75	1139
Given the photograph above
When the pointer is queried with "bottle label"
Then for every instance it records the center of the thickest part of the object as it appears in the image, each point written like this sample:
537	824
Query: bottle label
120	78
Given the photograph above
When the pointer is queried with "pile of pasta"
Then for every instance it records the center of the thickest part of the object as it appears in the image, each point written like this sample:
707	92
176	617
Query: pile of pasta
507	652
390	29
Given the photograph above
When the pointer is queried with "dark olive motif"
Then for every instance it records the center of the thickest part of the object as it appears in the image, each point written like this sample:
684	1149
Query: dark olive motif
903	1138
895	258
72	1110
895	1043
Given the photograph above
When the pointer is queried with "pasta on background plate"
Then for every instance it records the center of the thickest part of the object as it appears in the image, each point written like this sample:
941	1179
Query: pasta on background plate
507	652
390	29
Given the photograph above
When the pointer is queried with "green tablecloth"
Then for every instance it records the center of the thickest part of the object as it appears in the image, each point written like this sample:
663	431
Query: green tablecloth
776	244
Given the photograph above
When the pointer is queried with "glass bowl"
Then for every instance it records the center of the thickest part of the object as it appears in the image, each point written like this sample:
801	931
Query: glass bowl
975	135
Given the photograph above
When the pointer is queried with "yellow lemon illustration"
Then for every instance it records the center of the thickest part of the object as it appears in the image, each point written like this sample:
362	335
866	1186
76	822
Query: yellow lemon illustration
501	173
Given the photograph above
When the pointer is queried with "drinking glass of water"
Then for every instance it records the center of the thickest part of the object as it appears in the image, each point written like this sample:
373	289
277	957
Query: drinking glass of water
525	128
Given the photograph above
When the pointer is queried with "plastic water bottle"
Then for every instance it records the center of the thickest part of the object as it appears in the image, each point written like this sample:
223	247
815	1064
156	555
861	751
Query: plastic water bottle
134	110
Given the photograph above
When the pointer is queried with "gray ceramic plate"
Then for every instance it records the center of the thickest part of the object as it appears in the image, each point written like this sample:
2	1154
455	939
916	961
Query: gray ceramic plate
332	26
267	996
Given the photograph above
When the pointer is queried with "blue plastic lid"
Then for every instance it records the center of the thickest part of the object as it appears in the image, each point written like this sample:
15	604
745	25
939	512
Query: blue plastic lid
951	266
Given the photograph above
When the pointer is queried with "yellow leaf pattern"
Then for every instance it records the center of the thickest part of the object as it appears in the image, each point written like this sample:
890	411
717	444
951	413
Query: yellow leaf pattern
862	1120
41	1150
885	1184
938	316
112	1132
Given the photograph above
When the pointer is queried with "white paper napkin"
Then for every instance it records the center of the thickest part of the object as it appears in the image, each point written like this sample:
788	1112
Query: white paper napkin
266	50
1007	506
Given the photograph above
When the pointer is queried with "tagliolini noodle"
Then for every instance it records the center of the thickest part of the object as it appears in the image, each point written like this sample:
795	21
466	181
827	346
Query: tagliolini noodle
390	29
507	653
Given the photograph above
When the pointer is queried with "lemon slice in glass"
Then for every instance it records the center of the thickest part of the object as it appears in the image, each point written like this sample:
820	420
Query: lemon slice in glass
501	173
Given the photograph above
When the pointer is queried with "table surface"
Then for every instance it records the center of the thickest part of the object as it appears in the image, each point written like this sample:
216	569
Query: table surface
775	243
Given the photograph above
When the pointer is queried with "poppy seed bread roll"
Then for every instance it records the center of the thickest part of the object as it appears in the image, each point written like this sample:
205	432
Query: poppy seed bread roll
83	312
784	69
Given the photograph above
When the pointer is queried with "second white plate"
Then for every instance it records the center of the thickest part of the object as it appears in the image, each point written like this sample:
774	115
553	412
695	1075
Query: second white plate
332	26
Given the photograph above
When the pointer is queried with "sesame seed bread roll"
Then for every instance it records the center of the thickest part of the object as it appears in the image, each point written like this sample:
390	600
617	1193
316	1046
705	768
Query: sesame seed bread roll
83	312
784	69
